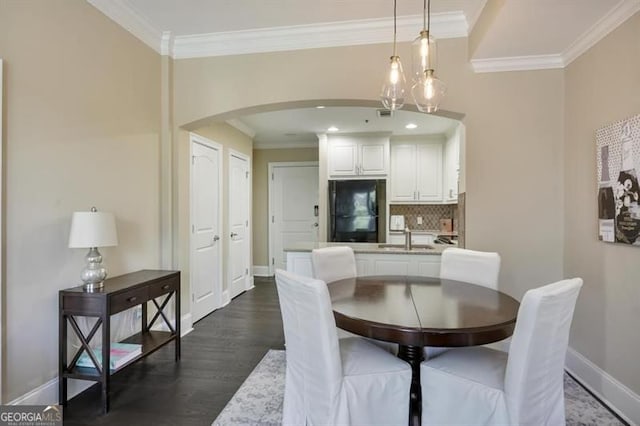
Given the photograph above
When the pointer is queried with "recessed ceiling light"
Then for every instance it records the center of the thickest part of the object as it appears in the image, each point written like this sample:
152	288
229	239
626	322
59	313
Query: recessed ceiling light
411	126
320	106
332	129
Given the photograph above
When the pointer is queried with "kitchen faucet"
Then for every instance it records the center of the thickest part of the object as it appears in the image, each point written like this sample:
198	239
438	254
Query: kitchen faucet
407	238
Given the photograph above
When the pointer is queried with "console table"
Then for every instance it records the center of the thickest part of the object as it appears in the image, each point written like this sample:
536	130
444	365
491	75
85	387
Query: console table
118	294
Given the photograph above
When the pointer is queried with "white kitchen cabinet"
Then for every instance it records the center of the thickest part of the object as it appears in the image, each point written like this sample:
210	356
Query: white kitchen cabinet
350	156
420	239
375	264
416	172
452	166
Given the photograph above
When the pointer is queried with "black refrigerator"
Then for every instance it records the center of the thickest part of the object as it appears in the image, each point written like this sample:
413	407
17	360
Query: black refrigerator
357	211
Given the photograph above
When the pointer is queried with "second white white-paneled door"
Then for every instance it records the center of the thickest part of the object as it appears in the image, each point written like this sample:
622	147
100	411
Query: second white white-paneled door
239	214
206	226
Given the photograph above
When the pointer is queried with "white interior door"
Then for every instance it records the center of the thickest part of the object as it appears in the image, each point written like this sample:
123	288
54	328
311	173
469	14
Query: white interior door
206	223
293	208
239	256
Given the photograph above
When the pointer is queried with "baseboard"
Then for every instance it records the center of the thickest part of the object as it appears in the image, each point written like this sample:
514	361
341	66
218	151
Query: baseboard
250	285
261	271
47	394
622	400
226	298
186	324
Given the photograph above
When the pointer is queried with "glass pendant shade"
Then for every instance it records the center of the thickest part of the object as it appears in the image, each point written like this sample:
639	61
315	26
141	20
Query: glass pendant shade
428	92
424	54
393	89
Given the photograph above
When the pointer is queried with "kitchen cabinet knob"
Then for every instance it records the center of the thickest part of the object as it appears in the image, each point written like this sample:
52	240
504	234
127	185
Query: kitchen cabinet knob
132	299
315	225
215	238
233	234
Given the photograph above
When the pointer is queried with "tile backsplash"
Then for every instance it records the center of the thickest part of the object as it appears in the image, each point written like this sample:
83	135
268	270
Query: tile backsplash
431	215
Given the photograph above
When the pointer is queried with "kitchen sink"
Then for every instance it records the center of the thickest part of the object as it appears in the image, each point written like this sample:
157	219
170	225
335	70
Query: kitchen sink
400	247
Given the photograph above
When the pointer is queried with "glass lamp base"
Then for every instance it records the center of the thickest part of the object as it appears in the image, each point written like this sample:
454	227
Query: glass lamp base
94	273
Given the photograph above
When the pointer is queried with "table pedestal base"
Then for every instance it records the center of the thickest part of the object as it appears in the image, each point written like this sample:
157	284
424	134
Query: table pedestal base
414	356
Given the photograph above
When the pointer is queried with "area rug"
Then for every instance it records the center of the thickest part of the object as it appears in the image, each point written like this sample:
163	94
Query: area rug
258	402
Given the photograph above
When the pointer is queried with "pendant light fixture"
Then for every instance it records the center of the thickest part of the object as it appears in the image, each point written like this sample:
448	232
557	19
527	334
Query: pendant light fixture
393	88
428	90
424	46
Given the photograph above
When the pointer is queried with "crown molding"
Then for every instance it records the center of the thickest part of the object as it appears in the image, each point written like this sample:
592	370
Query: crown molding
129	19
297	37
612	20
242	127
518	63
286	145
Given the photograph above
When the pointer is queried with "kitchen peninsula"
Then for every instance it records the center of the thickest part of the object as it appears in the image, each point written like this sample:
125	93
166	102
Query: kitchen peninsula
373	258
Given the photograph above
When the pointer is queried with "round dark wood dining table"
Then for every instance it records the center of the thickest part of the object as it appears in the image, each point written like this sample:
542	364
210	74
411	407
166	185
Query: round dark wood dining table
417	311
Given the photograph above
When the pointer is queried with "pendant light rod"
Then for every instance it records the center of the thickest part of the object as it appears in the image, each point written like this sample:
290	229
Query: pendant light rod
428	15
394	27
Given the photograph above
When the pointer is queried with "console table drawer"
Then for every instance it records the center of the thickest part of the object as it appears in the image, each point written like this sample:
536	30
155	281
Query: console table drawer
162	287
128	299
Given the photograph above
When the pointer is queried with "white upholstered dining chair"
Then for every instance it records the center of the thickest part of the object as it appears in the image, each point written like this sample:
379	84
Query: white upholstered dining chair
482	386
338	263
331	381
333	263
472	266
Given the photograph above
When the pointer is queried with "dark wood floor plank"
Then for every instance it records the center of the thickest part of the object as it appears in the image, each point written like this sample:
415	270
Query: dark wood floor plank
217	356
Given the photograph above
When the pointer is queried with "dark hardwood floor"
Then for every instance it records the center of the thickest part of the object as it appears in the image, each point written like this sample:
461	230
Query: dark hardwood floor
217	356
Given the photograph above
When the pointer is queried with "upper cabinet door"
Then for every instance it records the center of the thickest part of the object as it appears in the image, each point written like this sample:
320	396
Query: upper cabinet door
343	157
373	158
429	171
358	156
403	173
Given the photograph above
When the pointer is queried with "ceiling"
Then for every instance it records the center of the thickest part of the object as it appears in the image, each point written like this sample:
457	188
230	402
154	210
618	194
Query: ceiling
505	35
299	127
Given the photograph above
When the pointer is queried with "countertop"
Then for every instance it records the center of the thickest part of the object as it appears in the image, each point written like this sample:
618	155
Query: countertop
370	248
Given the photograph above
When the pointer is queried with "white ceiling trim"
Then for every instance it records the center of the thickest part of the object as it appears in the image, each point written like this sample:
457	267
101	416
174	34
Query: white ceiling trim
286	145
347	33
131	21
612	20
518	63
242	126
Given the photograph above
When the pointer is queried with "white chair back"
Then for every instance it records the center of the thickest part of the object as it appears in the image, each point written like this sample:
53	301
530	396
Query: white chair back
333	263
475	267
314	369
534	372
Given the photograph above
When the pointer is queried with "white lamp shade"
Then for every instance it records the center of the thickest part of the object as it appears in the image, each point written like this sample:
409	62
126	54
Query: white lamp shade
93	229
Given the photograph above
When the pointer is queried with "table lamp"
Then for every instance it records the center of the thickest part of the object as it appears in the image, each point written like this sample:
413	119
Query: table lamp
92	230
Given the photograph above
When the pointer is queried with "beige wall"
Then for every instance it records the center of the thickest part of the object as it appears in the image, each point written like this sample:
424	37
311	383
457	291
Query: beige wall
231	139
261	160
82	129
602	87
513	147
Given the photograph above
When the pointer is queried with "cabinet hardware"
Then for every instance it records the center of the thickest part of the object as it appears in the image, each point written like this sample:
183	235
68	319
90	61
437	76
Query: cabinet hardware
233	234
215	238
132	299
165	287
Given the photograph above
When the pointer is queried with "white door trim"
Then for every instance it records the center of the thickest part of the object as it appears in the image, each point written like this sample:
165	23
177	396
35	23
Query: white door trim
270	170
249	278
195	138
2	287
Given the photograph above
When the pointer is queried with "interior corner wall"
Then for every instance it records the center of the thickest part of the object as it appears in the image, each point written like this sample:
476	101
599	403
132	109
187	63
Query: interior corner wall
602	87
230	139
83	121
261	160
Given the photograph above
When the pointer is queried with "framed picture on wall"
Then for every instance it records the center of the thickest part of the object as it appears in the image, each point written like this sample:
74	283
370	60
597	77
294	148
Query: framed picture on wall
618	162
